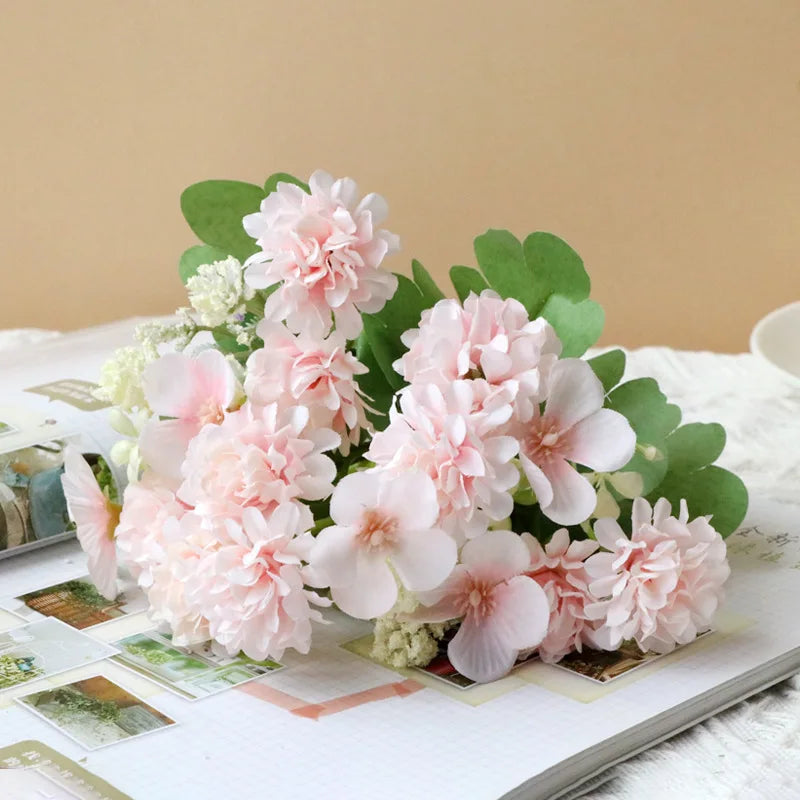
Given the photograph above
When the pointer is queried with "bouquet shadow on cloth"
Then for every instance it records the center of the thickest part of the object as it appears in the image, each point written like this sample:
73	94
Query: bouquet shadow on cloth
315	429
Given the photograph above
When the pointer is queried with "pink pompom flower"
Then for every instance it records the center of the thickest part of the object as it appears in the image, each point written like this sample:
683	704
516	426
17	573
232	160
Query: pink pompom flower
248	584
439	432
384	526
147	505
191	392
573	428
488	338
325	250
260	457
663	585
176	554
299	369
95	518
558	568
502	610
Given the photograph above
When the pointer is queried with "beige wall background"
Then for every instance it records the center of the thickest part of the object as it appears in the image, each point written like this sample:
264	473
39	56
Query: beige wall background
659	138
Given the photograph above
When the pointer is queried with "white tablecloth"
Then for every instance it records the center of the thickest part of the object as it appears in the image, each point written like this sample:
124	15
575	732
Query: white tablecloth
751	751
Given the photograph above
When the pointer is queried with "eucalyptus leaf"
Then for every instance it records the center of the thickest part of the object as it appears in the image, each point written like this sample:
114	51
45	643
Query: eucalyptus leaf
646	408
609	367
710	490
215	209
466	280
425	283
196	256
694	446
578	325
502	260
556	269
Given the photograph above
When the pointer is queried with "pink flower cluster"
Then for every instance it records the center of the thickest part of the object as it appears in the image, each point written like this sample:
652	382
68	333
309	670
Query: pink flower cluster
219	532
325	251
478	376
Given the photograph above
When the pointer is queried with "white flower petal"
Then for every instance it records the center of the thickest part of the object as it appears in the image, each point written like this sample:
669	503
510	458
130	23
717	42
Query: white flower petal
424	559
575	392
574	498
372	594
603	441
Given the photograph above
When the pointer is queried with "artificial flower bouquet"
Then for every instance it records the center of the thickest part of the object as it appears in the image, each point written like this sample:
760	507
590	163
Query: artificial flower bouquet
314	430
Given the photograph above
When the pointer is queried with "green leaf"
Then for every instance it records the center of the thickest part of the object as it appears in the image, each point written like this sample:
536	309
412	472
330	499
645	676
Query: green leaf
556	269
215	209
710	490
425	283
652	418
502	261
578	325
466	280
197	255
694	446
374	384
646	408
609	367
384	329
707	489
283	177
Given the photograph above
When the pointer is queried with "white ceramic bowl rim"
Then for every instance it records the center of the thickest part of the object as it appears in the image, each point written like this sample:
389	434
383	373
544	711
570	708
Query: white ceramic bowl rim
776	340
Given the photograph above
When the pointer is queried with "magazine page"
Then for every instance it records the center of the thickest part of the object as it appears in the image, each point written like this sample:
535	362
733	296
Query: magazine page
47	399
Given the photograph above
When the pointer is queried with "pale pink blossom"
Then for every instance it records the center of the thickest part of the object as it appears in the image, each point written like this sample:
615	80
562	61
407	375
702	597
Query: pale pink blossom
249	587
95	518
663	585
439	432
325	250
574	429
260	457
176	556
558	568
191	392
488	338
320	374
384	526
502	611
147	505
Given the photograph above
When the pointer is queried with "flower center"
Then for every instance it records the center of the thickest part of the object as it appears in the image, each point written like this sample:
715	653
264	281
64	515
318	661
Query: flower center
377	530
477	599
210	413
544	441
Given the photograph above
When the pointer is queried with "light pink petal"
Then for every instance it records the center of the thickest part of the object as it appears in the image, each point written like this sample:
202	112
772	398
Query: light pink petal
333	556
521	613
642	514
423	559
575	392
603	441
608	532
411	498
373	593
480	652
215	377
163	445
171	387
502	551
538	481
353	494
574	498
88	509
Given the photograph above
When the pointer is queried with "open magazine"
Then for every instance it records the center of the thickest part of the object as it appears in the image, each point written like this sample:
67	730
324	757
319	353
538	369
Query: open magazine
538	733
46	400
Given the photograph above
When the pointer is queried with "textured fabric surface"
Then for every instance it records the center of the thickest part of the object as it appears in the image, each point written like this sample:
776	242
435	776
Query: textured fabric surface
751	751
